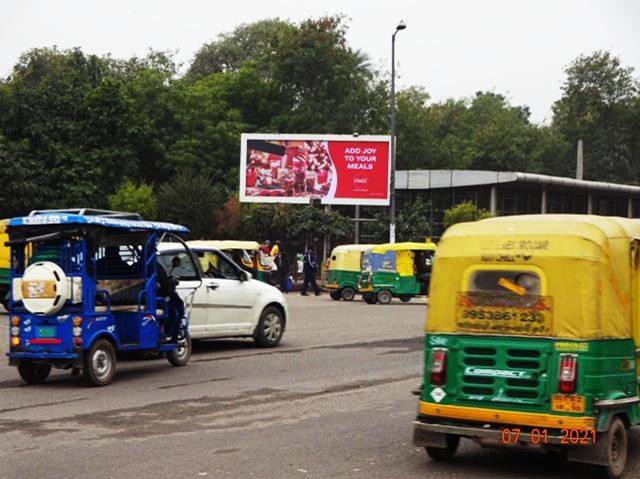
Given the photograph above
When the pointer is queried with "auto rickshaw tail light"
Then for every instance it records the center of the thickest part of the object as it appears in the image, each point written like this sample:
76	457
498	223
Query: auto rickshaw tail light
568	373
15	341
438	366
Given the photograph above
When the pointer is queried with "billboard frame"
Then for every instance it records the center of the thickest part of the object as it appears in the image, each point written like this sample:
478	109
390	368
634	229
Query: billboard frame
245	137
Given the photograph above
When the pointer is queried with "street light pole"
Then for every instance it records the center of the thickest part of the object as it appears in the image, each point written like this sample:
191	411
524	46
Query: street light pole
392	185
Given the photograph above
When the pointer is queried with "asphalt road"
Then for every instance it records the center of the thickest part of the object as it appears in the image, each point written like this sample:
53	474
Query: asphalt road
333	401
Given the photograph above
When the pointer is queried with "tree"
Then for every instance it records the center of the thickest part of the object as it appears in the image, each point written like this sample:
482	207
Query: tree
191	200
413	222
463	212
137	198
599	105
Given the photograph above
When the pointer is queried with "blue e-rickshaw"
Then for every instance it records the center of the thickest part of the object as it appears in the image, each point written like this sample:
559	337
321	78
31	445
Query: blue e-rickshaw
87	286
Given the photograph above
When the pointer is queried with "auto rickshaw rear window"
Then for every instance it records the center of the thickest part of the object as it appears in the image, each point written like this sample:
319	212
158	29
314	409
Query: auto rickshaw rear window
518	282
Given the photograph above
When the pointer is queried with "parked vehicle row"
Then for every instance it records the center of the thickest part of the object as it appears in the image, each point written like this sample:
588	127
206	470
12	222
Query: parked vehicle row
87	284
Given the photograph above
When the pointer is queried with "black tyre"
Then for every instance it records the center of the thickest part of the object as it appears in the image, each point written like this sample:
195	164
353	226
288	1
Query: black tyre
180	356
100	363
369	298
33	373
384	296
348	293
270	327
617	445
335	295
405	298
444	454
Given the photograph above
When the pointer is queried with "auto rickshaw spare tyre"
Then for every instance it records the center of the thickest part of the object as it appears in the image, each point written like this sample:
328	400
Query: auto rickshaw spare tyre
44	288
616	442
270	327
446	453
335	295
405	298
32	372
180	356
100	363
384	296
369	298
348	293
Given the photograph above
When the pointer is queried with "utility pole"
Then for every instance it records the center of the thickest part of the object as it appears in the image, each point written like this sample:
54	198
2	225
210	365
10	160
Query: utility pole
392	186
579	162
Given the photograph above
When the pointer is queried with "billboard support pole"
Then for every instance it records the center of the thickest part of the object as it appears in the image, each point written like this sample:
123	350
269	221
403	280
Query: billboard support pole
392	185
356	227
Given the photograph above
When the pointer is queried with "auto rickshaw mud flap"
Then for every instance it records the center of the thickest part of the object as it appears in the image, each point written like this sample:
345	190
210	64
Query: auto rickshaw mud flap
425	438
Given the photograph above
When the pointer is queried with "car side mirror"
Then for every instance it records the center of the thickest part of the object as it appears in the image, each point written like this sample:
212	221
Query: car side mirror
245	276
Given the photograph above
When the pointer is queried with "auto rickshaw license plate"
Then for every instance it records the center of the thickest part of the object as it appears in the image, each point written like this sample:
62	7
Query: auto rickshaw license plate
492	314
568	403
46	331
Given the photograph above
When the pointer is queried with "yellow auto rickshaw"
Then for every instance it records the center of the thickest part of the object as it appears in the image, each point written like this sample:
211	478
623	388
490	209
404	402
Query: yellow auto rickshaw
344	270
533	337
245	253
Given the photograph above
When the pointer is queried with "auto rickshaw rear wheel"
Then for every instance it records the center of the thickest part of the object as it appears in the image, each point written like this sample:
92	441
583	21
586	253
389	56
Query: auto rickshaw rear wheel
369	298
384	296
446	453
180	356
405	298
32	372
100	363
617	444
348	293
335	295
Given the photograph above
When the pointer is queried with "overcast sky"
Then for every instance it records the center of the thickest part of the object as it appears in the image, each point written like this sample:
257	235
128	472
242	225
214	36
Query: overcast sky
453	48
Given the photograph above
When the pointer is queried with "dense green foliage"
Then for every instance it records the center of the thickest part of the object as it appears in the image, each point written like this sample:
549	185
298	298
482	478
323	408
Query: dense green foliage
82	130
464	212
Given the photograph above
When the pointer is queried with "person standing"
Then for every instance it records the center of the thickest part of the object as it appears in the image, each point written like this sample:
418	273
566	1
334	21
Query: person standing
309	268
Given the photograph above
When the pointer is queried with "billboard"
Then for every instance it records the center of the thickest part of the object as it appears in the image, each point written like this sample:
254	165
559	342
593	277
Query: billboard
335	169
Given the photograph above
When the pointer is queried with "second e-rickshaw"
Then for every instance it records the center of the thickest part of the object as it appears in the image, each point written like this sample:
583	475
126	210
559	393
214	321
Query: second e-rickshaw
400	270
344	270
533	338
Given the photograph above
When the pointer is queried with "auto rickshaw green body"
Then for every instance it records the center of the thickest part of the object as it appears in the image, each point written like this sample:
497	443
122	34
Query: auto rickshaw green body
534	327
393	270
344	270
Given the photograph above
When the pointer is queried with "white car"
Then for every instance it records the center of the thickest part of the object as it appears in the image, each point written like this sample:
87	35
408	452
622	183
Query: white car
221	299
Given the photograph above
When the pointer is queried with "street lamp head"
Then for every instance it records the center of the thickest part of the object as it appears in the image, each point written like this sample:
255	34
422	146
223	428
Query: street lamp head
401	25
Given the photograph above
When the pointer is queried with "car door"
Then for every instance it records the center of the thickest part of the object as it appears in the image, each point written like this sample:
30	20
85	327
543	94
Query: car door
231	299
178	264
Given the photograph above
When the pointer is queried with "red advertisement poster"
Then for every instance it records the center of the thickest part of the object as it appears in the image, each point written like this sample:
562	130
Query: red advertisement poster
335	169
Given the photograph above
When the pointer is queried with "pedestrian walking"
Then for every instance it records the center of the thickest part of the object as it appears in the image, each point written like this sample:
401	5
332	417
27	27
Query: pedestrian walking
309	268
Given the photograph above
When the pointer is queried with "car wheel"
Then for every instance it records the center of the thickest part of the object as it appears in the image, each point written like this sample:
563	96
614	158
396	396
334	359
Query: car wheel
348	293
181	355
369	298
270	328
444	454
33	373
384	296
405	298
617	444
100	363
335	295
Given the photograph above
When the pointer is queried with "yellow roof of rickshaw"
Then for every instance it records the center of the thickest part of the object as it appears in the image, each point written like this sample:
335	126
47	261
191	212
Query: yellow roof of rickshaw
3	225
405	246
348	248
225	244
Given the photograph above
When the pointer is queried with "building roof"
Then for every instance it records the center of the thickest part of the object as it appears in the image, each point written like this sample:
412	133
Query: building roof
432	179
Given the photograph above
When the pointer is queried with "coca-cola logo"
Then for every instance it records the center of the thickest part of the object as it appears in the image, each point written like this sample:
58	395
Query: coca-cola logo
360	180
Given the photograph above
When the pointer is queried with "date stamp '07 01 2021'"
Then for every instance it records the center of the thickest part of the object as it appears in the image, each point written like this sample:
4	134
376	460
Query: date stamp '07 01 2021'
568	437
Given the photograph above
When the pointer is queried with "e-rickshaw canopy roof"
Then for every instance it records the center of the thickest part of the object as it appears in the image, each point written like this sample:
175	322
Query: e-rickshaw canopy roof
224	244
57	219
588	266
405	246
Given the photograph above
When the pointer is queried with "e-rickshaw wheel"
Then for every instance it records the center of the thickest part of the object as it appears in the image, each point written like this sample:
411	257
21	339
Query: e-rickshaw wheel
369	298
446	453
335	295
384	296
348	293
100	363
616	440
32	372
181	355
405	298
